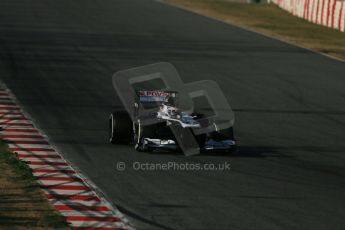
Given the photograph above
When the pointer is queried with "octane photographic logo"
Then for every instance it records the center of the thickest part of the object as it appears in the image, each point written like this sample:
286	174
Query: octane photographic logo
164	77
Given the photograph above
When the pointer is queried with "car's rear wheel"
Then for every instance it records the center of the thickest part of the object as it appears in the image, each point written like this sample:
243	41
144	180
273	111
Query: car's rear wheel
120	127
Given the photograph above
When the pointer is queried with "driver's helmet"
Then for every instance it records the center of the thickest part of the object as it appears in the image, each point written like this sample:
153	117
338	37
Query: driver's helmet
170	101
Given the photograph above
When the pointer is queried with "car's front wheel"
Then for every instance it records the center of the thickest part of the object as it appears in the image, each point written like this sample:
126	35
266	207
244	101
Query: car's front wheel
120	127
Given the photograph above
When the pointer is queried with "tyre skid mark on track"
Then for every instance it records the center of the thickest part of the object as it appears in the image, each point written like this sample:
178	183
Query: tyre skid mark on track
65	188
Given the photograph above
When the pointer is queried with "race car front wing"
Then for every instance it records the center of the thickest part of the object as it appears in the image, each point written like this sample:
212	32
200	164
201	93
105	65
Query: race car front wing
211	145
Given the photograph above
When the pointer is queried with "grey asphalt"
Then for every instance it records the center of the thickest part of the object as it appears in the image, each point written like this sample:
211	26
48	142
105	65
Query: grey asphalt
58	57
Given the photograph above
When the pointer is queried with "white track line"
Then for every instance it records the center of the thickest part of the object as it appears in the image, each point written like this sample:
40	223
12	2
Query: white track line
86	213
36	152
10	145
68	192
53	182
42	160
98	224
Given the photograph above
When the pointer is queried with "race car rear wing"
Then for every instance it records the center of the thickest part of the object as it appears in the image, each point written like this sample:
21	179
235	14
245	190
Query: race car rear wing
155	98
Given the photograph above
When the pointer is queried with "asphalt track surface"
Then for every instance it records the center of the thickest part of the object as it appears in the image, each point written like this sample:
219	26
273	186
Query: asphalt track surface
58	57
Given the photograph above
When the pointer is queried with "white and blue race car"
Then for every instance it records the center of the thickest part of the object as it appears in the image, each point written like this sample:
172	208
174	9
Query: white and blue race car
156	130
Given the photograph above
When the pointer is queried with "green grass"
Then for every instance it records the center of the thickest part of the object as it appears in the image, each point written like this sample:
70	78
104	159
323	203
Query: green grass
23	204
270	19
22	170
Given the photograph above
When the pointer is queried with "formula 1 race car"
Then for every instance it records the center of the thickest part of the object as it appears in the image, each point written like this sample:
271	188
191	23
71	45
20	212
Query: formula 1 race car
156	130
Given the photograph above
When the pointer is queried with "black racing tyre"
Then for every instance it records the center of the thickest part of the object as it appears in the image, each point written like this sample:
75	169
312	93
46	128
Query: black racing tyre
120	127
223	134
228	133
